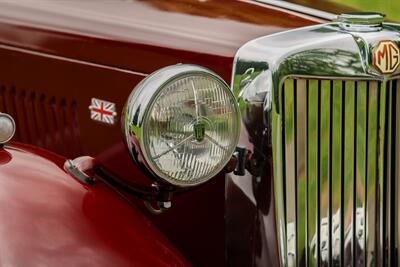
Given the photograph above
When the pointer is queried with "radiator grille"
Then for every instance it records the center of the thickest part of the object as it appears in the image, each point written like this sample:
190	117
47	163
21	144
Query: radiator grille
335	151
43	121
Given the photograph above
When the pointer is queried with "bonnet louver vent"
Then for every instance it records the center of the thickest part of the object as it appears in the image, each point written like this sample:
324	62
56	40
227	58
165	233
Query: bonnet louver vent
41	120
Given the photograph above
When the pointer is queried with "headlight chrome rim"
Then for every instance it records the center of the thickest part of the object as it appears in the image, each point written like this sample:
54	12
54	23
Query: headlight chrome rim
147	93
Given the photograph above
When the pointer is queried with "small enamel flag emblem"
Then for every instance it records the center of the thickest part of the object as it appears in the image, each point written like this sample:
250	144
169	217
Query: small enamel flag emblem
386	56
102	111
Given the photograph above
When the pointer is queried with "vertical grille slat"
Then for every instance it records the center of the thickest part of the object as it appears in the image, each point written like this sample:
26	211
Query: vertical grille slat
301	155
381	171
324	187
342	171
390	125
312	160
360	172
354	179
336	173
348	192
338	148
330	241
296	177
318	175
278	171
290	175
371	185
42	121
308	250
396	178
366	172
392	225
288	253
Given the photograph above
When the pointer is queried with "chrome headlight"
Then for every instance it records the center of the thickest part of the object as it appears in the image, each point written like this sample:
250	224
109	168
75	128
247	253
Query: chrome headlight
182	124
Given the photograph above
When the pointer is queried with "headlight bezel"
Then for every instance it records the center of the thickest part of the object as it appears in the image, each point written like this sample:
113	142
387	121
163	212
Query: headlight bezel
138	108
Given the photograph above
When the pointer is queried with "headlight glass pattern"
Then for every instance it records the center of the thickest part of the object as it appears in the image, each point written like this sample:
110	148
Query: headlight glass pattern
190	129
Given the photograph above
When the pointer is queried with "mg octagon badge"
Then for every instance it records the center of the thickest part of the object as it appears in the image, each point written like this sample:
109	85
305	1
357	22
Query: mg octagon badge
386	56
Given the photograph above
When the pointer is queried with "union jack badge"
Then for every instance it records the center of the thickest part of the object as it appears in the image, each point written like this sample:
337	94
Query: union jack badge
102	111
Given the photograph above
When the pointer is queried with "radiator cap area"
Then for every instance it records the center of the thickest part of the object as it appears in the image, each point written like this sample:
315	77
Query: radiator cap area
361	21
7	128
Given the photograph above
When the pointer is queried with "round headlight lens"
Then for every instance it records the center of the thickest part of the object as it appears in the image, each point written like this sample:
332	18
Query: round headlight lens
190	127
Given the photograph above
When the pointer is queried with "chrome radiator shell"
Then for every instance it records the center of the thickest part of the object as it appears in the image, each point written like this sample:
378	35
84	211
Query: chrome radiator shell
335	185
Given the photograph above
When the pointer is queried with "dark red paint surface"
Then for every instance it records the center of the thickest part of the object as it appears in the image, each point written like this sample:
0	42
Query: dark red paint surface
47	218
250	206
56	55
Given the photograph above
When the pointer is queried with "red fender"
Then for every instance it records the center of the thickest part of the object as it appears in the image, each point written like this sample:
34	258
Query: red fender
48	218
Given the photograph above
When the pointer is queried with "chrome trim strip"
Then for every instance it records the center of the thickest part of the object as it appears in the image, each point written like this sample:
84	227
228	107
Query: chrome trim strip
299	8
71	60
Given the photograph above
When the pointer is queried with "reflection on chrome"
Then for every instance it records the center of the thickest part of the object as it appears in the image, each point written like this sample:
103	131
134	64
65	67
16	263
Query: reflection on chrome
336	200
291	247
324	247
336	237
348	238
333	146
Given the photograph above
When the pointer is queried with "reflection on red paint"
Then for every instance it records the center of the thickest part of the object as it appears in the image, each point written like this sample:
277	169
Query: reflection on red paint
5	157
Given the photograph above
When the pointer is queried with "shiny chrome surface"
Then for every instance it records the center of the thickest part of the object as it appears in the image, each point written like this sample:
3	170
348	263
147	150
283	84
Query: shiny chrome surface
79	168
331	116
7	127
361	22
193	129
341	167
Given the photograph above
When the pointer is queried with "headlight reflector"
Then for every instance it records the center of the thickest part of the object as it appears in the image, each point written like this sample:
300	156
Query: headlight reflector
189	126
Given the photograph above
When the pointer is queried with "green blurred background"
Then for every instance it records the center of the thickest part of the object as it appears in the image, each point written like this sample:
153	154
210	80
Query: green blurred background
391	8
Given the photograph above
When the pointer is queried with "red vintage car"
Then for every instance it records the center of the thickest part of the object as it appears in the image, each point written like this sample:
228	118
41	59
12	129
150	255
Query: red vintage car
197	133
